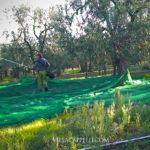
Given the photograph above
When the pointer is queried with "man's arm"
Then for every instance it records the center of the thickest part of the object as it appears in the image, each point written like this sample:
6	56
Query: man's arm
35	67
47	64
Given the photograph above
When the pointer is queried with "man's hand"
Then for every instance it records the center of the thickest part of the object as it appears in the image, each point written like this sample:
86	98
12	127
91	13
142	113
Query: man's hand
26	68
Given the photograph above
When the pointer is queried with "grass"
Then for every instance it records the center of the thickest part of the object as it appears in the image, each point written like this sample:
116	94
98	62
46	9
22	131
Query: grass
71	71
76	74
8	80
75	129
141	75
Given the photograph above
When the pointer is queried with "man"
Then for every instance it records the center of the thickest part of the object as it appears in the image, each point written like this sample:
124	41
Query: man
41	66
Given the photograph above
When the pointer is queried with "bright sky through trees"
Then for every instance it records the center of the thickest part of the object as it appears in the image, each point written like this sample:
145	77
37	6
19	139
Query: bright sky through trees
8	24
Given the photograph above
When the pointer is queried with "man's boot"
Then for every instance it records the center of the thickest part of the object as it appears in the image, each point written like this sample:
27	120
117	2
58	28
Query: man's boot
46	89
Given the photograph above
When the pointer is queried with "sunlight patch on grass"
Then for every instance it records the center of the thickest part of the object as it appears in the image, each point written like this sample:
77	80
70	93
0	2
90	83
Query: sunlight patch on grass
119	121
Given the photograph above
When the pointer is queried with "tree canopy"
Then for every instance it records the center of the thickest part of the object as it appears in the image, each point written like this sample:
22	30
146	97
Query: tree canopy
110	32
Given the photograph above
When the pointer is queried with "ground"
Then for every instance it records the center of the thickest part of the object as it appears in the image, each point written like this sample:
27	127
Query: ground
109	122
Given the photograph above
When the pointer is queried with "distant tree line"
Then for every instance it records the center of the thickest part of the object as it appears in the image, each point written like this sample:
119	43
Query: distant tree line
111	32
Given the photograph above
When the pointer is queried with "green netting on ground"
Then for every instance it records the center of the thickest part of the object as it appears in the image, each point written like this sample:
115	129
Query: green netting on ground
21	103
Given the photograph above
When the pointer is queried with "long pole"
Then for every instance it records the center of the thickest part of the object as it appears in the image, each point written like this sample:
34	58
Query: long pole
11	61
118	142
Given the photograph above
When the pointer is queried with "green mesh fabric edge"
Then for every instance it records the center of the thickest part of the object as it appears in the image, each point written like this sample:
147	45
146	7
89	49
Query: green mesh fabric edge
22	103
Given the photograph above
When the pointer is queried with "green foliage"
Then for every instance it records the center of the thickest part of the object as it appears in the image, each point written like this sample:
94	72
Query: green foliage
73	129
146	66
123	28
110	33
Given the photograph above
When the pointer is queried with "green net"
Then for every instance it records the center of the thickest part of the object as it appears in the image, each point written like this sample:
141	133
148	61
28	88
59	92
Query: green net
21	102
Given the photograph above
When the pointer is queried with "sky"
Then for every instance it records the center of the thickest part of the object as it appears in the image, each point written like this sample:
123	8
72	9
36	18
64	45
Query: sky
6	24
